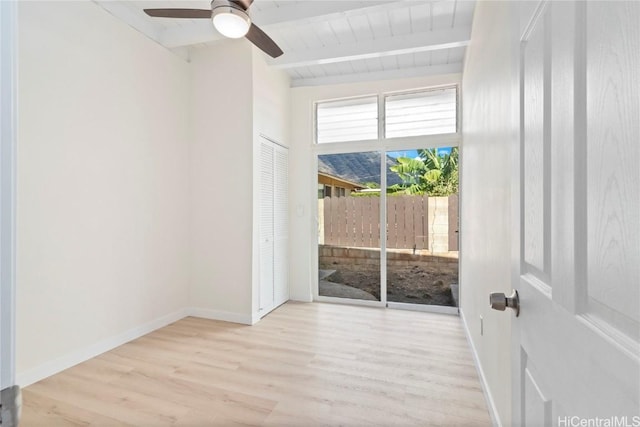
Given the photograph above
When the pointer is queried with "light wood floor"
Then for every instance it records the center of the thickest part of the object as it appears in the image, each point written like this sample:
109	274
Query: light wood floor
302	365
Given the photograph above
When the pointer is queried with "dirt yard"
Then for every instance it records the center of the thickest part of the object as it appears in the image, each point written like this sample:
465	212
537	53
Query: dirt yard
414	284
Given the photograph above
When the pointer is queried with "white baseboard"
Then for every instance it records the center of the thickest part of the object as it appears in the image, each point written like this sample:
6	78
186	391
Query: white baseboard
255	318
23	379
493	411
205	313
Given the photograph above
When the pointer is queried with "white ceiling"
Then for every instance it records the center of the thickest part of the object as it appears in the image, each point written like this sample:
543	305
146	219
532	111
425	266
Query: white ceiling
329	41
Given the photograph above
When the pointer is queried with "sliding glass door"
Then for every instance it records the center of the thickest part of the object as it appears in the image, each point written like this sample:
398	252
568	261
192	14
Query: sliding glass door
413	260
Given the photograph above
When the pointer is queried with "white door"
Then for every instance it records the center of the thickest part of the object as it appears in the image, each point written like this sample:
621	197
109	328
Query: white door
281	226
576	343
7	192
274	225
266	226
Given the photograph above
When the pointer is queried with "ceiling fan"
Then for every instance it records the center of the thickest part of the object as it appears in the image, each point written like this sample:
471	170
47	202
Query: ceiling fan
231	19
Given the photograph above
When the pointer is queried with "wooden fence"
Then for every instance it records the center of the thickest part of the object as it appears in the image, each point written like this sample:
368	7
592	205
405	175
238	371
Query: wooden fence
413	222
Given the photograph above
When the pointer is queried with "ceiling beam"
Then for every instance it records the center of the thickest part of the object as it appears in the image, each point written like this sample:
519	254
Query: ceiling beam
388	46
302	13
315	11
433	70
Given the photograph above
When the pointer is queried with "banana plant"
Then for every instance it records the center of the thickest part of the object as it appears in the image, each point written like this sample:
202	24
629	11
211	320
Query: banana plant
432	173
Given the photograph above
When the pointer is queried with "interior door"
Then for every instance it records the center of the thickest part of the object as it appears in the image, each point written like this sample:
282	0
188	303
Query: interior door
266	226
274	225
281	225
9	392
576	343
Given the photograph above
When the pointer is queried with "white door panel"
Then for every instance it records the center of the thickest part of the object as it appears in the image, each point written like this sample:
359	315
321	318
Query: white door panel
281	226
274	225
8	118
576	343
266	226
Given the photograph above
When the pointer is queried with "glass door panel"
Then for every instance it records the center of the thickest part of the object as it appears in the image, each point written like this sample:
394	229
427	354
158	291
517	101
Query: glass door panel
349	225
422	226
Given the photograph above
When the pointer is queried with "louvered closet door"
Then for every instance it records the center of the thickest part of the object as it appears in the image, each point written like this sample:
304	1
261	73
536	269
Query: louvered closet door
281	222
274	225
266	225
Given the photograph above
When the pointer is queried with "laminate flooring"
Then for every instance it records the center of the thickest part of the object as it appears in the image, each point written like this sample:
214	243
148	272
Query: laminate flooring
302	365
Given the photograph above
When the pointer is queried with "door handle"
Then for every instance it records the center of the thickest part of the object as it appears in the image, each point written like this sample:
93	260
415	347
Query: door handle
499	301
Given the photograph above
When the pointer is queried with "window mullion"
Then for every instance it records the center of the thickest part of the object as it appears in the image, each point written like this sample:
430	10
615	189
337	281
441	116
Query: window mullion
381	117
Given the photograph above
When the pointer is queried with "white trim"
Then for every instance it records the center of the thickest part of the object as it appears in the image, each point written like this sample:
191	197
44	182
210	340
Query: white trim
383	221
404	73
69	360
8	129
442	309
493	410
388	144
255	317
225	316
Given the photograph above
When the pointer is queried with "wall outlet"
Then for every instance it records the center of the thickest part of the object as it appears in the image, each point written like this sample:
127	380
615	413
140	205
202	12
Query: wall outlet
481	326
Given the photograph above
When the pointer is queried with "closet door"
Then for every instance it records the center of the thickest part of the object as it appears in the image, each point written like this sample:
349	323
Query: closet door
266	226
281	225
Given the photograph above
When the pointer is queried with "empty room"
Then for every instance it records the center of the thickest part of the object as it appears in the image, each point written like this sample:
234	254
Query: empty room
319	213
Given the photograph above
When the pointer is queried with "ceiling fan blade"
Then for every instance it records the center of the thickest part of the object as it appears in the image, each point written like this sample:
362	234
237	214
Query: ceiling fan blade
263	41
179	13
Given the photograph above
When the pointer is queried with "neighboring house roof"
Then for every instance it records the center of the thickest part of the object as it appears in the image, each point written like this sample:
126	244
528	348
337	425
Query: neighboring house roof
357	167
341	180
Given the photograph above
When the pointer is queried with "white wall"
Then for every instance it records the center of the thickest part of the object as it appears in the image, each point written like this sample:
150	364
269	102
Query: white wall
271	100
235	98
303	177
221	176
271	118
102	232
489	133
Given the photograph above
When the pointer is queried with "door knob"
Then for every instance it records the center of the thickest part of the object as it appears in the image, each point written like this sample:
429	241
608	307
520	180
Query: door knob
499	301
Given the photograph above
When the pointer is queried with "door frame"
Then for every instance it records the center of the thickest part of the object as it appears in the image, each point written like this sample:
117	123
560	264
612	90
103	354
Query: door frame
262	312
8	128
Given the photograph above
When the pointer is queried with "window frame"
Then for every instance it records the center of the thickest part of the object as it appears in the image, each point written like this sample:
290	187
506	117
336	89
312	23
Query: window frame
382	97
349	98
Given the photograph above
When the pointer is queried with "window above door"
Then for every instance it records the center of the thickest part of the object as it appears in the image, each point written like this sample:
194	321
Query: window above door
432	111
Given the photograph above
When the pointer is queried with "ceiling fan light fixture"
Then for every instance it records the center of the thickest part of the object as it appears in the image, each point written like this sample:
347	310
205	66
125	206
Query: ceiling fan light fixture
231	22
